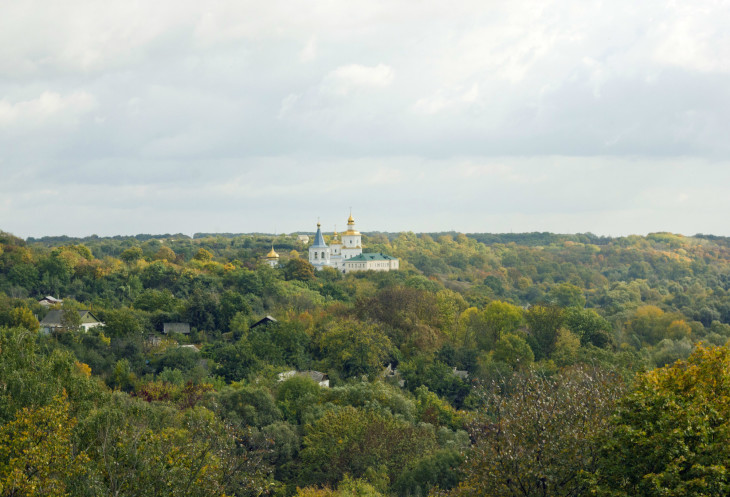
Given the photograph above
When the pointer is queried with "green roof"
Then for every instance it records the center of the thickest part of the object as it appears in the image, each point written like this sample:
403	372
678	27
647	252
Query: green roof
371	257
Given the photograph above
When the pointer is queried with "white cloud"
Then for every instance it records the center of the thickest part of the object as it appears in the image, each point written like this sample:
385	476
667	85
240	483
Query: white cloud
445	100
287	104
48	108
695	37
309	52
181	95
346	79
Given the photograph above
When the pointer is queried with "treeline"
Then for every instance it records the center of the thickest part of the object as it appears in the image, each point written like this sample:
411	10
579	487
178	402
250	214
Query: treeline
488	365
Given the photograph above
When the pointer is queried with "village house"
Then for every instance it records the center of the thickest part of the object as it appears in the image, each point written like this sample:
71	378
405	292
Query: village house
54	321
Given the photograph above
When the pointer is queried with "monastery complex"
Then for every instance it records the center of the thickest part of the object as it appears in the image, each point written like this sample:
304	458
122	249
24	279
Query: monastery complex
344	253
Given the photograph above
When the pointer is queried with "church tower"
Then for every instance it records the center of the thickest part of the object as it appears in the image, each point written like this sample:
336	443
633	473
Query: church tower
319	252
351	241
272	258
336	251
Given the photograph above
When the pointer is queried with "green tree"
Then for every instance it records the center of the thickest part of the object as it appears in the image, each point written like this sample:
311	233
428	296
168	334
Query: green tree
512	349
23	317
534	436
165	254
567	345
132	254
141	448
348	487
152	300
589	326
122	322
296	395
32	379
231	303
36	453
232	361
440	470
669	435
249	406
501	317
567	295
203	255
544	323
298	269
354	348
360	442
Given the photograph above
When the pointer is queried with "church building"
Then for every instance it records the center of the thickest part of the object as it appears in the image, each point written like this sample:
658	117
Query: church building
272	258
345	254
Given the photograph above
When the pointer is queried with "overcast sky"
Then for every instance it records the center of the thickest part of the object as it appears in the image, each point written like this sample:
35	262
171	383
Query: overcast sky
568	116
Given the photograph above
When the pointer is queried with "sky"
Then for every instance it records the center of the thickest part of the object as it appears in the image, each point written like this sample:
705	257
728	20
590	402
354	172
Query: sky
126	117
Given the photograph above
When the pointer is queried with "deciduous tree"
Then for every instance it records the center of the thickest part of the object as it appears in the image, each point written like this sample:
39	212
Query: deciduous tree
534	435
670	435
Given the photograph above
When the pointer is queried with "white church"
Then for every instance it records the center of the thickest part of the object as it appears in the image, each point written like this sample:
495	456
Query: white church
345	254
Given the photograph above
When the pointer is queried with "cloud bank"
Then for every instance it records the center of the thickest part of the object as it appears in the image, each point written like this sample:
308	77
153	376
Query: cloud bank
571	115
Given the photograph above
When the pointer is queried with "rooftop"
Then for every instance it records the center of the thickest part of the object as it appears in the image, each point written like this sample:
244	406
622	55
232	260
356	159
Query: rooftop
318	238
364	257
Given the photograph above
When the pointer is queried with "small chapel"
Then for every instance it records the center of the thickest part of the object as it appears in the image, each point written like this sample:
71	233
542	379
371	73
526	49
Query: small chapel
344	252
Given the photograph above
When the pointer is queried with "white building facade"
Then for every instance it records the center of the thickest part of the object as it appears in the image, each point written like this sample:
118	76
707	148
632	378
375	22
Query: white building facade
272	258
370	262
319	252
345	254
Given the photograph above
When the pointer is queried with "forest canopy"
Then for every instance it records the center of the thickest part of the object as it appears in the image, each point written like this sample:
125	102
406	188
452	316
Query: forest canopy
489	364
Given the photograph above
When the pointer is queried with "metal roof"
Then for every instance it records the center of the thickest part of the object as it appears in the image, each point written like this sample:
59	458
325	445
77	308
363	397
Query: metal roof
53	318
364	257
265	320
319	239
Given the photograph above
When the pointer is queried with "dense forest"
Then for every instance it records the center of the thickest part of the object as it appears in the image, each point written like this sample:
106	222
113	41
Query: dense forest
495	365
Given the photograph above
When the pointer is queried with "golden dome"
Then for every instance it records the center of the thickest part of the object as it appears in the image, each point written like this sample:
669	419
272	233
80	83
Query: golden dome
272	254
350	220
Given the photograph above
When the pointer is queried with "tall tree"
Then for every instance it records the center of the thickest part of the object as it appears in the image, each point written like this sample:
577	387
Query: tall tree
36	453
534	436
670	434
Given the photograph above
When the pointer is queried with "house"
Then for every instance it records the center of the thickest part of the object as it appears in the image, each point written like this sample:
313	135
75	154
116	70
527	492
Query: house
321	378
460	373
392	374
182	328
304	239
266	320
49	301
54	322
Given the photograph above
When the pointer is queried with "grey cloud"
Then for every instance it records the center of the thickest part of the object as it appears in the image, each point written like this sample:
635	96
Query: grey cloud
189	113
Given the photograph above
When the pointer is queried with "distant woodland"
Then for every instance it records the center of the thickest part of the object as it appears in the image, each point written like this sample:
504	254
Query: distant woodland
489	365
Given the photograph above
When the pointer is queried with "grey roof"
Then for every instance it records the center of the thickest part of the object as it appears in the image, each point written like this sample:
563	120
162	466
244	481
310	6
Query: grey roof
315	375
319	239
371	257
53	318
461	373
183	328
48	298
265	320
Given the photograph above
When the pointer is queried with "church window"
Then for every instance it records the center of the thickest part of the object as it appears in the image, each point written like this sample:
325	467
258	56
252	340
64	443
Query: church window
315	255
322	255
